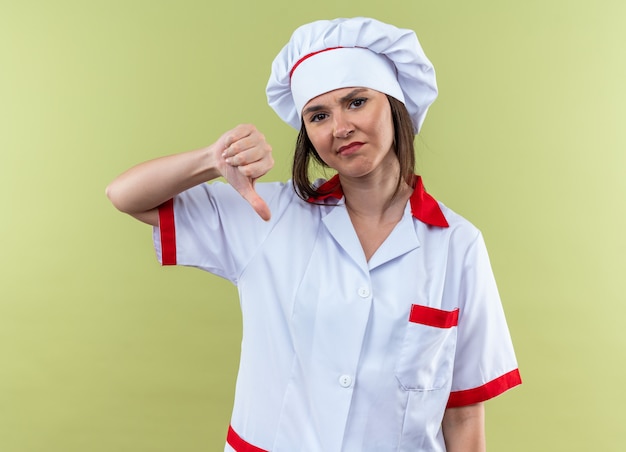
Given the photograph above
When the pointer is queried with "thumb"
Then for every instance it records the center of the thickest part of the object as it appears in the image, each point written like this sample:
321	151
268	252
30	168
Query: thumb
257	203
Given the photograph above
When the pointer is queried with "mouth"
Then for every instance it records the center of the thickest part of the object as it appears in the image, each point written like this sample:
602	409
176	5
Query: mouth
350	148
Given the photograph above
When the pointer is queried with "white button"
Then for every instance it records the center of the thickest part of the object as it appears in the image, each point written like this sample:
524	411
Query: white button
345	381
364	292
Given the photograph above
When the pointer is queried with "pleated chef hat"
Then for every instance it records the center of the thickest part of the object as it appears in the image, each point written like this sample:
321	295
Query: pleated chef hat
329	54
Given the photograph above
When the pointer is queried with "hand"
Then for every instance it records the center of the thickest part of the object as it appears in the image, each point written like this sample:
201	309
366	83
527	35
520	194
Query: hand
245	156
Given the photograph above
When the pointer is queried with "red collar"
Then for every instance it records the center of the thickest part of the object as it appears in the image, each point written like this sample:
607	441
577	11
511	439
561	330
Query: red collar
423	206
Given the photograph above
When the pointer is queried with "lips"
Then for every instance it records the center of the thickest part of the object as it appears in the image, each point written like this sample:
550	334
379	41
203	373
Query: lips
350	148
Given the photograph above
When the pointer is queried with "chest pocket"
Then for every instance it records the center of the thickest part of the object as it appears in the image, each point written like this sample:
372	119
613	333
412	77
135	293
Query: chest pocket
426	356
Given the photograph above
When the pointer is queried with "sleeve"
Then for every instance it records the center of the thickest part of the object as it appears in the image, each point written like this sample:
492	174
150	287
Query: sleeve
213	228
485	364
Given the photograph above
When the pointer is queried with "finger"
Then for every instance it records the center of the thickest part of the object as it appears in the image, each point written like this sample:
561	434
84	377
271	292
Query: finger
254	159
249	157
236	134
252	147
257	169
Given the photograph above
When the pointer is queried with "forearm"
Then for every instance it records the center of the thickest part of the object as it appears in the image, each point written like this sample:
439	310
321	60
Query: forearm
240	155
464	429
149	184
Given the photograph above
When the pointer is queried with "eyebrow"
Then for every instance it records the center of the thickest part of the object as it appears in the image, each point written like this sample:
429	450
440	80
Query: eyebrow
352	94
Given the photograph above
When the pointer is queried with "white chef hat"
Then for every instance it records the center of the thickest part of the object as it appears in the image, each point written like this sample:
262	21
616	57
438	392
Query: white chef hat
329	54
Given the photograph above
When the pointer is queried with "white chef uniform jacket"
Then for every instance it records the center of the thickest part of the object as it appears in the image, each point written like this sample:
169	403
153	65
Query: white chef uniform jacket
340	353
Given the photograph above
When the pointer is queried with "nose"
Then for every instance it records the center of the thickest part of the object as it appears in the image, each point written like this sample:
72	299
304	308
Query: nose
342	126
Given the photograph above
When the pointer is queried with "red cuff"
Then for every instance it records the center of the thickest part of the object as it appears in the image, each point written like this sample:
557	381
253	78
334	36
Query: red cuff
486	391
239	444
167	228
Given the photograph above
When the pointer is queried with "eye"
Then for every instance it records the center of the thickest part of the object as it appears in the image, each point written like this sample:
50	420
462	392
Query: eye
357	103
317	117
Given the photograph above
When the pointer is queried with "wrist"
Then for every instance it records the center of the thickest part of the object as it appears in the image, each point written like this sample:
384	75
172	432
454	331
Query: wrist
210	163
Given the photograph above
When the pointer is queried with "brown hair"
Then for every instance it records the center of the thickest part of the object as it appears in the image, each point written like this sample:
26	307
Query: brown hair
305	154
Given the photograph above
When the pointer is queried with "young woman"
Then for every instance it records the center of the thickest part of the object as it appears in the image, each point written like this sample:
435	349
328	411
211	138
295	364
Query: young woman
371	319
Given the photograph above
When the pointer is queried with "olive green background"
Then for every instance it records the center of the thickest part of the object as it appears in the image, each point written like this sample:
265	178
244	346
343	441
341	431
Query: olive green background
102	350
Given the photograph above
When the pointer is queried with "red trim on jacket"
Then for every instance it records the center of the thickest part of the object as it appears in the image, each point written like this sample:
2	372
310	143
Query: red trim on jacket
438	318
329	189
426	208
423	206
239	444
167	229
486	391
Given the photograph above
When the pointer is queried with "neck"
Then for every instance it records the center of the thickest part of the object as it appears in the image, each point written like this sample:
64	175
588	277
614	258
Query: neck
376	195
375	206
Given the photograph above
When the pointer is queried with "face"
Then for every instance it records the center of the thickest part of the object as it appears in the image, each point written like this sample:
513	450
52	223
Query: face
352	131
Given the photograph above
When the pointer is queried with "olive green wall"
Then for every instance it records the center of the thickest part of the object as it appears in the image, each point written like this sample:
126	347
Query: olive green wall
102	350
